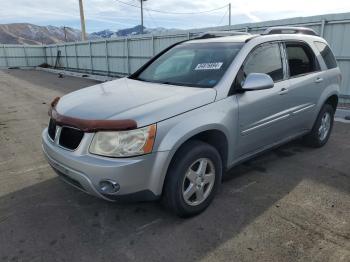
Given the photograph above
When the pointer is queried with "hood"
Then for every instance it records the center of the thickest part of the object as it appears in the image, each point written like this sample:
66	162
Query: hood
144	102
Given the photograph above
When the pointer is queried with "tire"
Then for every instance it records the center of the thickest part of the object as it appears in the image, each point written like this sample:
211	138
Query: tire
316	138
184	184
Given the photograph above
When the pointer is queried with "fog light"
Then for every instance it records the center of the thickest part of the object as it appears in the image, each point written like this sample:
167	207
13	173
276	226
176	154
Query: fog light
109	187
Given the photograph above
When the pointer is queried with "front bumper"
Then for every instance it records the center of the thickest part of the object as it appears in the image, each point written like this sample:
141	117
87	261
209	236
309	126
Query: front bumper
140	178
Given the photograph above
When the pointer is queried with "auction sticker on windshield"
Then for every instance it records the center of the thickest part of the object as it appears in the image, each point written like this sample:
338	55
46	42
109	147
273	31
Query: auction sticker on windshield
209	66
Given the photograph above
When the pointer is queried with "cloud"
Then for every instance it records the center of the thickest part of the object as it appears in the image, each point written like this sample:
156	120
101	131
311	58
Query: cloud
103	14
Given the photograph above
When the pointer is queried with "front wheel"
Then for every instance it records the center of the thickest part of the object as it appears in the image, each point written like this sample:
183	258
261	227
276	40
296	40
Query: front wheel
193	179
322	128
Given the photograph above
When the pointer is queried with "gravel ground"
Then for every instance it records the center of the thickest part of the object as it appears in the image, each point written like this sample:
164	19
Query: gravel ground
290	204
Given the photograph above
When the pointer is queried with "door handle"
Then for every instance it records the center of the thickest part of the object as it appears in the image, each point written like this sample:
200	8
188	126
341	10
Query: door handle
283	91
319	80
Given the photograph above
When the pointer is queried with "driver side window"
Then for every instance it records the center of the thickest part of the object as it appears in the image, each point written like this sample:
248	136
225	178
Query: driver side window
266	59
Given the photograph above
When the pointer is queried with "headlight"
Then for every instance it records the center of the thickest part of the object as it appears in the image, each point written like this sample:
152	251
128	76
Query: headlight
124	143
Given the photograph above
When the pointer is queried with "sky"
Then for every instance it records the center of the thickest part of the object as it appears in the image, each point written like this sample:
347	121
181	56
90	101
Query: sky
114	15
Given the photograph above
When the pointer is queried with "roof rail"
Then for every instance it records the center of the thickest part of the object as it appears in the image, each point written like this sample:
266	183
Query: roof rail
289	30
215	34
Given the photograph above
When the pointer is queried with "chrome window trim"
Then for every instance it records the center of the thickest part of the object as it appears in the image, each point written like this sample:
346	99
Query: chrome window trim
284	78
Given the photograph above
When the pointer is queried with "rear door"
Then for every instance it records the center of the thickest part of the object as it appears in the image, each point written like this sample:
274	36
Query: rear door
263	114
306	83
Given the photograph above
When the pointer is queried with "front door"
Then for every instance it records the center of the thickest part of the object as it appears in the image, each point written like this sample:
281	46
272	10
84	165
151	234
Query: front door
263	114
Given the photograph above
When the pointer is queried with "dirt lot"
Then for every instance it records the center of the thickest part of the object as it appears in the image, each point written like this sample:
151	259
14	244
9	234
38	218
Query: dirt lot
291	204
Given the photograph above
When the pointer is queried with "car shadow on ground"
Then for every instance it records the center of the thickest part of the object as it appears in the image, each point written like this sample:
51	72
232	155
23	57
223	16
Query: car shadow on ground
51	221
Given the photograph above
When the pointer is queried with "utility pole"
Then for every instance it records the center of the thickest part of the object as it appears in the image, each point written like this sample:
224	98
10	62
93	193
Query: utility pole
82	21
141	1
65	33
229	14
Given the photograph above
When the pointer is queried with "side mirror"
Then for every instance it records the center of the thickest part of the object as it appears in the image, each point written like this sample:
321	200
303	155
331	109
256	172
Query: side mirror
257	81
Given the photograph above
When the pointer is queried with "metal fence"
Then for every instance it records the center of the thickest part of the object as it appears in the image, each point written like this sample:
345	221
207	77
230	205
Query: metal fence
112	57
122	56
21	56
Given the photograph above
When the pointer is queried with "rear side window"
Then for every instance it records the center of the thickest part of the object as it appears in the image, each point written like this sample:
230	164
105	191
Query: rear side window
301	59
265	59
327	55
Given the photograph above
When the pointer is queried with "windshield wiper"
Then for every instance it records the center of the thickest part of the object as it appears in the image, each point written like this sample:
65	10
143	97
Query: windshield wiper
179	84
168	82
143	80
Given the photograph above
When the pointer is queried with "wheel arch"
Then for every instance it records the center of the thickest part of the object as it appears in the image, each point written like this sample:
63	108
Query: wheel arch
215	124
333	101
329	96
213	136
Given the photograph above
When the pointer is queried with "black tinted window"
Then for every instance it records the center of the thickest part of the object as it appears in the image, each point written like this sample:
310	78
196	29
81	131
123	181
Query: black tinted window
265	59
301	59
326	54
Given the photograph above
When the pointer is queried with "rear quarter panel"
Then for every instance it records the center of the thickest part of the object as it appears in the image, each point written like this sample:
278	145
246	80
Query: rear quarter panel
332	78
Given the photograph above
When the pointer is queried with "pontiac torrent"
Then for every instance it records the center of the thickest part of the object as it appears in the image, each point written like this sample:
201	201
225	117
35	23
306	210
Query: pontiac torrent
171	129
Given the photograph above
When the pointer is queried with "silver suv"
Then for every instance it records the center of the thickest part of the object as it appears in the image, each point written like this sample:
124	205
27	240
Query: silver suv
170	130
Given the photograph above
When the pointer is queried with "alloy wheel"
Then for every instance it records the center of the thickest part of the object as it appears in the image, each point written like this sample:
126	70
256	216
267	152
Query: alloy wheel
324	126
198	182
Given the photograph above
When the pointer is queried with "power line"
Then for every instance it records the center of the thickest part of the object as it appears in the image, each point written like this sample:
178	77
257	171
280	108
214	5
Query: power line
174	13
222	18
132	1
153	21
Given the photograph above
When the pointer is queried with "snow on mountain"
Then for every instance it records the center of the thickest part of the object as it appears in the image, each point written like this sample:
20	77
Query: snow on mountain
136	30
25	33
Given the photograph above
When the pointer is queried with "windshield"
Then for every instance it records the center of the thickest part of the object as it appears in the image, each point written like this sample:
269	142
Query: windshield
191	64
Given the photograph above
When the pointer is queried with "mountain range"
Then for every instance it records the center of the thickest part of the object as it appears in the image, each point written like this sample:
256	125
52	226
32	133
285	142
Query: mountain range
25	33
136	30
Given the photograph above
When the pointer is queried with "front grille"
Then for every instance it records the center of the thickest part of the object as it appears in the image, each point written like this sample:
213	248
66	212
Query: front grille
52	129
70	137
